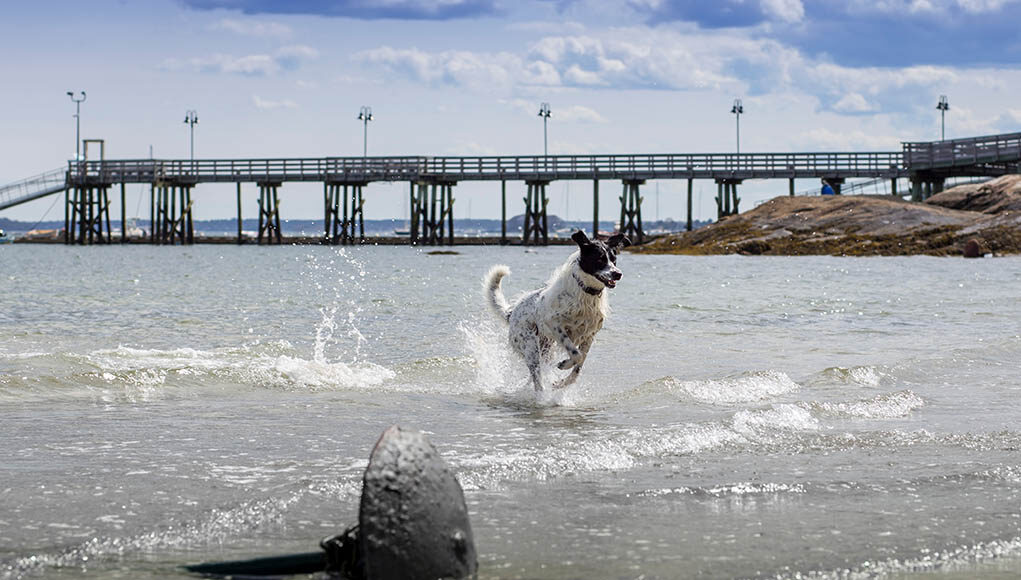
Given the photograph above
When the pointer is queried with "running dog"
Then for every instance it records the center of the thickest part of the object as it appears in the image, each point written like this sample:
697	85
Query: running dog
569	310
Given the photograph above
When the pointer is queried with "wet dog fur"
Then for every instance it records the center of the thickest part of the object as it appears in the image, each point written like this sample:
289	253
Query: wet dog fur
568	311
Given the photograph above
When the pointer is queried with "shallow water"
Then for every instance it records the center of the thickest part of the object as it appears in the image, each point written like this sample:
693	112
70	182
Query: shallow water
737	417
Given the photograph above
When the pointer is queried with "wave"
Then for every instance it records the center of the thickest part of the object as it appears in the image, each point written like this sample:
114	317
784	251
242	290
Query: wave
958	559
135	374
884	406
217	526
509	456
867	375
730	490
745	388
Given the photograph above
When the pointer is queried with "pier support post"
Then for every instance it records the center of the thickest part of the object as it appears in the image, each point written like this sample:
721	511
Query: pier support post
503	212
535	230
719	200
241	238
269	214
690	219
89	216
790	187
432	213
595	208
893	187
448	210
916	189
727	201
67	216
419	214
412	214
335	196
152	213
631	211
124	215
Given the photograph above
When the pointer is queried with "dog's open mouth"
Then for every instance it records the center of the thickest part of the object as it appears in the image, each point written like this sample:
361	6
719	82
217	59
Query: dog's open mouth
608	282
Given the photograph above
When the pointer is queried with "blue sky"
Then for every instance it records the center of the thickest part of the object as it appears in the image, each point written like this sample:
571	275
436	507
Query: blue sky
271	78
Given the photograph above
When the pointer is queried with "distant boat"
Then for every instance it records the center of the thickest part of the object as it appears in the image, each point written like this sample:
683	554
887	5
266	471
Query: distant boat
4	239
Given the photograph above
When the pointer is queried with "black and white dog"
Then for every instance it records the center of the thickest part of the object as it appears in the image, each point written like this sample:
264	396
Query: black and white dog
569	310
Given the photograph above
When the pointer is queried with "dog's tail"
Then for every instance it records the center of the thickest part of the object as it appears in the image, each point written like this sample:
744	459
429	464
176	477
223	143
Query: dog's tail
494	295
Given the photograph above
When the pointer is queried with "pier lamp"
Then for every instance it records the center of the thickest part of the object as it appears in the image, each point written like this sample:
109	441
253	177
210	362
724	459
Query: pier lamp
77	123
191	118
943	106
365	115
544	112
737	109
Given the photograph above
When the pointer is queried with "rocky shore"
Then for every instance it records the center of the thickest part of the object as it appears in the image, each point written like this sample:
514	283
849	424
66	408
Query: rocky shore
974	219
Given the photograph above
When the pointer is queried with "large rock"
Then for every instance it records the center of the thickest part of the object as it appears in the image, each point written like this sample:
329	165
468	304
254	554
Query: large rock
996	196
413	521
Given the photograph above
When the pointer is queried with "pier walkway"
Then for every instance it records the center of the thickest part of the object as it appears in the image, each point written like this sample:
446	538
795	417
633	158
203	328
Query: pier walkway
431	181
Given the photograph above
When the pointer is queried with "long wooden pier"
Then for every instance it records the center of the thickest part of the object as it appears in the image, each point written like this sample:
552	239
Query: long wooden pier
432	179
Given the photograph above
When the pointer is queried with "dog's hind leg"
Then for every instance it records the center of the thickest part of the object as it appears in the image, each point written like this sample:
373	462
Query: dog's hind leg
530	348
534	362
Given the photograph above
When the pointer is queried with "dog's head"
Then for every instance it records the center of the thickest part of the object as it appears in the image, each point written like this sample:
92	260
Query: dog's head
599	259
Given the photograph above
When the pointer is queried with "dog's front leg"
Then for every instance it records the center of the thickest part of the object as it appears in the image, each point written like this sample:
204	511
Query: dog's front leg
575	355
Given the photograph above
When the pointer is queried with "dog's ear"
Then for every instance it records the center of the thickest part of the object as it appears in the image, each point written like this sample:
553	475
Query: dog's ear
580	238
618	240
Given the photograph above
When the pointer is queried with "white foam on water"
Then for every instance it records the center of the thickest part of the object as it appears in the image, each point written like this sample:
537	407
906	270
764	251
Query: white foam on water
884	406
761	424
216	527
960	559
622	449
747	388
251	365
736	489
865	375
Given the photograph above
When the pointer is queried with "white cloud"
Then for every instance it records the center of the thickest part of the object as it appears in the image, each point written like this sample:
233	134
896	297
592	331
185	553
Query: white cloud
852	103
268	104
288	57
560	114
934	7
786	10
263	29
481	71
579	114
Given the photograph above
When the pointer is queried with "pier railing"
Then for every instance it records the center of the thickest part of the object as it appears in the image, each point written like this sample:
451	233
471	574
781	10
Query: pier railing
33	188
528	167
989	149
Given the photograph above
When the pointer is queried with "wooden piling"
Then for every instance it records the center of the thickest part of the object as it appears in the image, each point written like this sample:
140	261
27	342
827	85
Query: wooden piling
241	238
595	208
690	220
124	215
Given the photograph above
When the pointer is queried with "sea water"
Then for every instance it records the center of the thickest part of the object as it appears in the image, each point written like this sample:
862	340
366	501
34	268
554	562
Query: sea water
737	417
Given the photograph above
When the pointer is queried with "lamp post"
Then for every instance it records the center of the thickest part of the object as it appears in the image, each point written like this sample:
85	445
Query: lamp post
365	115
737	109
943	106
544	112
191	118
77	123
